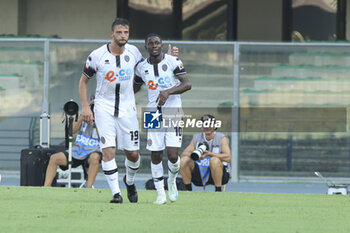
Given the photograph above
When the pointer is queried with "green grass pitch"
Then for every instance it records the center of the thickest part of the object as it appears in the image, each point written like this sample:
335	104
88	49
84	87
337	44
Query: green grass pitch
37	209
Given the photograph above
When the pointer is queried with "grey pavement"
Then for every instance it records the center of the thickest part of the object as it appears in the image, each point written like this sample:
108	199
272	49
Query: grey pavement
246	185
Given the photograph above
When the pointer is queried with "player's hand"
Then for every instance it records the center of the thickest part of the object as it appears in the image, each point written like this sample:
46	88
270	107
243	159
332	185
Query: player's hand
87	115
162	97
174	51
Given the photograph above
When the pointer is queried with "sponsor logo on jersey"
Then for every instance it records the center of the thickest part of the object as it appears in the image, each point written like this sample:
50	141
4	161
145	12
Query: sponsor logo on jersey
151	85
163	82
121	75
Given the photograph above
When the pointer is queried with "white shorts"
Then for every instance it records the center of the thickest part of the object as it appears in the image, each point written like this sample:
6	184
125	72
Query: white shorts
158	140
125	130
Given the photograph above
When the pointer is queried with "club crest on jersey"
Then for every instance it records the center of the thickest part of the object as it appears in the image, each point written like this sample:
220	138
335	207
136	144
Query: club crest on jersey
181	66
88	62
127	58
164	67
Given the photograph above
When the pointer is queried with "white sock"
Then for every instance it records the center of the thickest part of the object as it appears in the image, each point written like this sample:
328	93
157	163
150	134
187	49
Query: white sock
110	170
173	169
131	169
158	179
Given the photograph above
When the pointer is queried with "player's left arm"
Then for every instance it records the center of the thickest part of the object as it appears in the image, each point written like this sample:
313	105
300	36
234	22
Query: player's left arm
225	155
138	81
185	85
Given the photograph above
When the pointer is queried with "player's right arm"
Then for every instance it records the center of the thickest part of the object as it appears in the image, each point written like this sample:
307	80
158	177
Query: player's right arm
86	111
189	149
89	71
138	82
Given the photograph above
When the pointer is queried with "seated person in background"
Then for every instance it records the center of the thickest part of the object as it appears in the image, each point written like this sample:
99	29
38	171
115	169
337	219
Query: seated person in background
86	152
213	166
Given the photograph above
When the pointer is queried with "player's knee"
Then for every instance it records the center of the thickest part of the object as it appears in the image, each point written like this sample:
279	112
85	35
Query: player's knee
173	158
133	156
156	157
108	153
172	154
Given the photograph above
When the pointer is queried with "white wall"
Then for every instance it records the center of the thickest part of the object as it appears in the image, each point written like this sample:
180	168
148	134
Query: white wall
9	17
71	19
347	25
259	20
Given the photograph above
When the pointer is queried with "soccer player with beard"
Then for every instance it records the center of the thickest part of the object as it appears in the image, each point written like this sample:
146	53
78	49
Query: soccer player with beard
166	79
115	110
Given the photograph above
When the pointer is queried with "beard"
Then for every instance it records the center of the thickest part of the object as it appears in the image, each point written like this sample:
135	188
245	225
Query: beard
121	43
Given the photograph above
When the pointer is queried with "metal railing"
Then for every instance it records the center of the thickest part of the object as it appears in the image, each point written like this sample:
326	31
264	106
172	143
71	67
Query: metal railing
239	69
21	132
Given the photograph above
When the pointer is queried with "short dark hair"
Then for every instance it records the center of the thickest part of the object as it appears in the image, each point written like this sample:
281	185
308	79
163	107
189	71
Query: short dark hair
120	21
207	117
152	35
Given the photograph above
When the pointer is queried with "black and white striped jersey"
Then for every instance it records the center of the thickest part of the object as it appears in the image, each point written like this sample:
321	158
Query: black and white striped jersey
159	77
114	77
